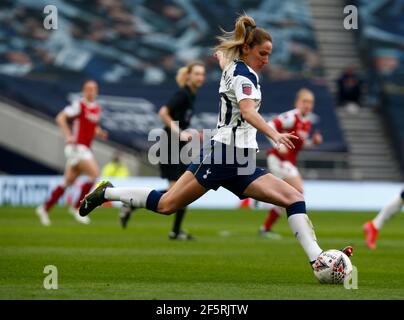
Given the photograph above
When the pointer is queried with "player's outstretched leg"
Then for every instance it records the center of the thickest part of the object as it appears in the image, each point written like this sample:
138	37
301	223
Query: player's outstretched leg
94	199
371	234
284	195
371	228
185	191
127	209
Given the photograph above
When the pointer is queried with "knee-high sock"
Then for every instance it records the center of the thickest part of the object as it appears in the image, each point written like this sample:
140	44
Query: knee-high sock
136	197
388	211
179	216
273	216
85	188
303	230
54	197
127	208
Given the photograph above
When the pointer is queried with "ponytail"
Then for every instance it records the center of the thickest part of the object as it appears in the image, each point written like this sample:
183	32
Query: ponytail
182	76
183	73
245	32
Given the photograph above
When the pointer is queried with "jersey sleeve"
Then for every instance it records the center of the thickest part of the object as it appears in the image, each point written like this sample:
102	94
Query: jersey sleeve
177	100
73	110
244	88
284	121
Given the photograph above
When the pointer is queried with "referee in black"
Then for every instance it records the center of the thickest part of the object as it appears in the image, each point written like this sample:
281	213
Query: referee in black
176	116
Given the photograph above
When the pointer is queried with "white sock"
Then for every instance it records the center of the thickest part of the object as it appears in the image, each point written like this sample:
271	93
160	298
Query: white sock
387	212
133	196
303	230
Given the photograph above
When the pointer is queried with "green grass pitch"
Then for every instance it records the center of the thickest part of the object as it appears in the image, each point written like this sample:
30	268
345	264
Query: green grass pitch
227	261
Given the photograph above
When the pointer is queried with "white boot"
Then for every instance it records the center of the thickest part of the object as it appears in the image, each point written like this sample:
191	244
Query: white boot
43	216
75	213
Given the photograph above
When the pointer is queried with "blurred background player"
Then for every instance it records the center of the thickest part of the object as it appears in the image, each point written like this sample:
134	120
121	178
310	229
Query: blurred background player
84	115
176	116
282	161
371	228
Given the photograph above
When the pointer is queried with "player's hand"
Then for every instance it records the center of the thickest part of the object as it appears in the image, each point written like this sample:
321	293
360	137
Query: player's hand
286	140
185	136
103	134
317	138
69	139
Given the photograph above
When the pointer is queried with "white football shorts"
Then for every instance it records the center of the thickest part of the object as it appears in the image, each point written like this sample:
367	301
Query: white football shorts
281	169
76	152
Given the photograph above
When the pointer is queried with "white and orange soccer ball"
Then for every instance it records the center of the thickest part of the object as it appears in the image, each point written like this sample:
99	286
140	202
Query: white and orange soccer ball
332	266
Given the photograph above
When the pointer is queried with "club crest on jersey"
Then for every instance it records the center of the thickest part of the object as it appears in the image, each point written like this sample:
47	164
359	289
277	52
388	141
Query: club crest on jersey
247	88
93	117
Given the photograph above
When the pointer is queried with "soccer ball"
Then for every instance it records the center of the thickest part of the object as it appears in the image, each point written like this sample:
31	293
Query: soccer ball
332	266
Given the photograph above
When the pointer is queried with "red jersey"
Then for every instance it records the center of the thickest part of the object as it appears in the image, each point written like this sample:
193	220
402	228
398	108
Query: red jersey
288	122
86	116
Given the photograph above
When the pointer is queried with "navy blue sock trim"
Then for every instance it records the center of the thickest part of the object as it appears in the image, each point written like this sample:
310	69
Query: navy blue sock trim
153	200
297	207
402	195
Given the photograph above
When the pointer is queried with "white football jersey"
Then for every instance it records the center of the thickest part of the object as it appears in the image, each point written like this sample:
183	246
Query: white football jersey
238	82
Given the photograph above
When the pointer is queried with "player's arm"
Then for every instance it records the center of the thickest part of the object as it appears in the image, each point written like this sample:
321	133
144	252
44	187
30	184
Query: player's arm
249	114
61	120
168	121
316	139
101	133
276	126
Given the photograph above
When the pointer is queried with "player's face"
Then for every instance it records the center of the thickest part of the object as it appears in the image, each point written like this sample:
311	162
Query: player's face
90	90
305	103
258	56
197	76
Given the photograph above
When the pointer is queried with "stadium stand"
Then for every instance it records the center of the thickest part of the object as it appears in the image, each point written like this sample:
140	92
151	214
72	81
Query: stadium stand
381	38
371	149
132	41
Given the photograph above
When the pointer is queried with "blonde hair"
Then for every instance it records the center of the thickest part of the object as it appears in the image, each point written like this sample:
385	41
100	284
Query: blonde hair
245	32
303	91
183	72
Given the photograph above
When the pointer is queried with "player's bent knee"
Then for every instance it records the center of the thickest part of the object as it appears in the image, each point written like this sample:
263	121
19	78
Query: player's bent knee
294	197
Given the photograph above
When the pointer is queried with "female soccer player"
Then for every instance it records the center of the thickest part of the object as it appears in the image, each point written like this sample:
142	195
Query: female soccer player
85	114
176	116
282	161
230	159
371	228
